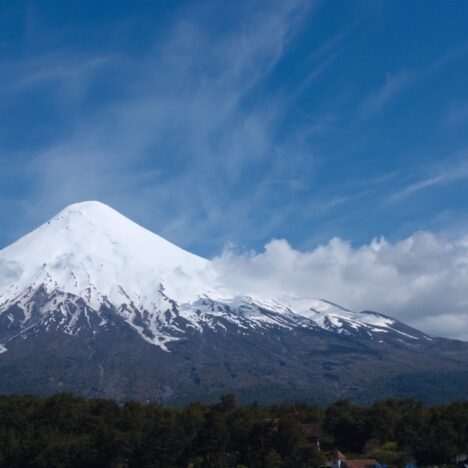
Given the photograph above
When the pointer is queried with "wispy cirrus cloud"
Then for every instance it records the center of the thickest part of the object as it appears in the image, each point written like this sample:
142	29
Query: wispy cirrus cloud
451	171
397	83
457	114
394	85
186	108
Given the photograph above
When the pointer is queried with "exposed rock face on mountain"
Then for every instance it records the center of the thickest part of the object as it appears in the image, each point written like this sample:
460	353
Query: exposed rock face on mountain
92	303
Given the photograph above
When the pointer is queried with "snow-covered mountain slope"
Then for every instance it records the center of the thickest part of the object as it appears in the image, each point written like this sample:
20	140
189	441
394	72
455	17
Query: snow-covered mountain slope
89	265
92	251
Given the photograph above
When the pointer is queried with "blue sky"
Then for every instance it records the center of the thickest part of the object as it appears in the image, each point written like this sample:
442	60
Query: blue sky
216	122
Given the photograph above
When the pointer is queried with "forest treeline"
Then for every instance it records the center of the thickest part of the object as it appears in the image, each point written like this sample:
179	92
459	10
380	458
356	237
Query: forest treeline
67	431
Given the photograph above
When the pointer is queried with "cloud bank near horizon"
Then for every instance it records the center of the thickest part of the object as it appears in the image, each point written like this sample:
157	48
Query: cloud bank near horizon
421	280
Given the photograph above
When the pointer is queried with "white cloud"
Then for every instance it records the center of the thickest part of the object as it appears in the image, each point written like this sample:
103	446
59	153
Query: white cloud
422	280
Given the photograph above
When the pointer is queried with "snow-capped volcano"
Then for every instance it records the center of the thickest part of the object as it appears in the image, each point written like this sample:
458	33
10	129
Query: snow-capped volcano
93	303
91	253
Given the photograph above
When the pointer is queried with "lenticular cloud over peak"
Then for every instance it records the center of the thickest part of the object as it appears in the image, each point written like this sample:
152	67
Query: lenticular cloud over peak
422	279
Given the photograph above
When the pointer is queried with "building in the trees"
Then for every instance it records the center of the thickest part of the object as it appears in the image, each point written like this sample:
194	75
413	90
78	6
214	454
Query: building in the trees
312	432
341	461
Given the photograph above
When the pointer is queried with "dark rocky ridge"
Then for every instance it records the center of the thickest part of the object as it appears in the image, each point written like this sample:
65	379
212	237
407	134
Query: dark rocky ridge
267	364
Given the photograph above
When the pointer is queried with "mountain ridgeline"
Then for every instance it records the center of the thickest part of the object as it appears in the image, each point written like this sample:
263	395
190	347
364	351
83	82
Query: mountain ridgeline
92	303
